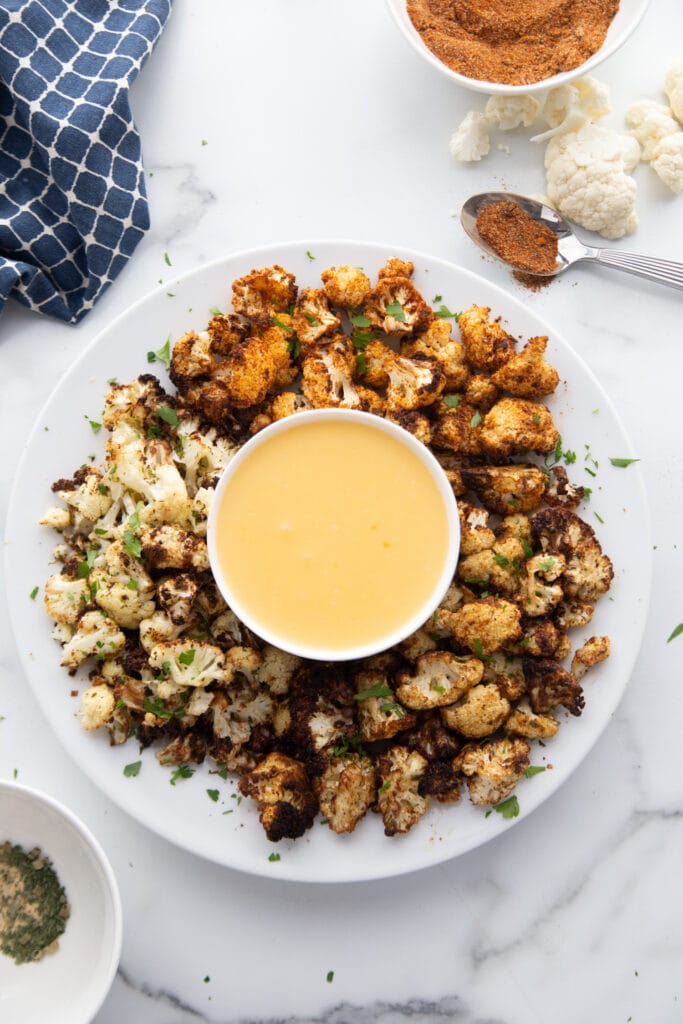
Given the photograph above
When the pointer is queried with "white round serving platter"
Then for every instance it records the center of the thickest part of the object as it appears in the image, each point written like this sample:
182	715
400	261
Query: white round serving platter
228	831
69	985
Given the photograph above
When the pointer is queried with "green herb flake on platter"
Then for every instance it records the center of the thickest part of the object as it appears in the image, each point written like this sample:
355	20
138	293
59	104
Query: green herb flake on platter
33	906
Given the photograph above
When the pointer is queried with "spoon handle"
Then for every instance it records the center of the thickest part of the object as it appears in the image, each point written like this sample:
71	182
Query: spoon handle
665	271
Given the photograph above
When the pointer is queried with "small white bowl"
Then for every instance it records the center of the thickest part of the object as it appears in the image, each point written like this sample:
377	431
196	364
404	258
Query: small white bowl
69	985
625	22
403	629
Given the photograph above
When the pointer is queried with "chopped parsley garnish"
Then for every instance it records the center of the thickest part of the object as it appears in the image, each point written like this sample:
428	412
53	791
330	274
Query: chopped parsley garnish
163	354
213	794
329	977
476	419
348	745
310	255
133	769
167	259
508	808
313	320
360	321
183	771
534	769
361	363
168	415
378	690
95	426
34	593
281	324
478	648
132	544
294	347
85	567
215	311
676	632
622	463
187	657
444	312
452	401
272	857
396	310
502	561
133	584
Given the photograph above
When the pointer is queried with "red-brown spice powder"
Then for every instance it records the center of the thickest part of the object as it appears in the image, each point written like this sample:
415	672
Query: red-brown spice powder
517	238
515	43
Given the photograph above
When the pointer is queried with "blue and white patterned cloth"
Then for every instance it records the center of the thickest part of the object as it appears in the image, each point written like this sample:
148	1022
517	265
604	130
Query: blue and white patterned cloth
73	204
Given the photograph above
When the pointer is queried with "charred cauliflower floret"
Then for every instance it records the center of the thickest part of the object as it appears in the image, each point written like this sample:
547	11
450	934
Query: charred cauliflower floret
493	769
65	598
481	711
487	345
412	383
157	629
238	708
97	705
284	796
504	489
481	392
394	267
122	587
543	639
395	307
459	429
176	594
185	662
399	801
346	790
277	668
591	653
517	424
86	495
571	613
97	635
548	684
475	532
505	670
561	492
438	678
437	342
136	402
312	318
346	287
191	357
328	379
526	374
414	421
225	330
287	403
542	591
588	572
263	292
242	378
524	722
485	625
379	715
171	547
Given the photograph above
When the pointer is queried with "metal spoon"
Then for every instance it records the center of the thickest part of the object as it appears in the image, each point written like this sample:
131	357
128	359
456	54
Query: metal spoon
570	249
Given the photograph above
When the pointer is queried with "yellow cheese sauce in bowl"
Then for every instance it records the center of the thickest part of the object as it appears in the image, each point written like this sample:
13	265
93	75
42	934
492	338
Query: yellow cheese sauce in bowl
333	534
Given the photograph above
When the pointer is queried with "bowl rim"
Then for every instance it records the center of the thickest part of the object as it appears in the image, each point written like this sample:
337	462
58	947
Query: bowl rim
428	460
104	870
612	42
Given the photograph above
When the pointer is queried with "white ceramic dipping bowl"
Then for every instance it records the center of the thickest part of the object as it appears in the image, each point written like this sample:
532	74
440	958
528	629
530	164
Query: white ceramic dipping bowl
69	985
625	22
401	629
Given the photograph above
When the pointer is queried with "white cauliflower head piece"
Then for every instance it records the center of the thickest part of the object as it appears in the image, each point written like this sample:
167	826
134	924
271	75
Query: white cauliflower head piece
650	122
673	87
507	112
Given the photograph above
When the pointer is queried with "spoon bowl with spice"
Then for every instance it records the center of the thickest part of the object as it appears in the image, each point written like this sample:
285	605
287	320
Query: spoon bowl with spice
60	913
538	242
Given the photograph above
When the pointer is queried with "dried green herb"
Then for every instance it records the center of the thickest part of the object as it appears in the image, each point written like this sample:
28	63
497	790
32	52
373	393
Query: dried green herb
33	905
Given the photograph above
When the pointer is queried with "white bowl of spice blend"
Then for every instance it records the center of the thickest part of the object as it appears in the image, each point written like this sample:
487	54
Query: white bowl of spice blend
499	47
60	913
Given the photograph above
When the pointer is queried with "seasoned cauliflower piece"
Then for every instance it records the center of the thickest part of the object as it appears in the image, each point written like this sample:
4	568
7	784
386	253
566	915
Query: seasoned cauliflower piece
287	403
412	383
493	769
276	669
240	707
560	492
485	625
327	379
96	634
438	678
191	357
506	672
398	800
65	598
190	662
571	613
396	307
437	343
394	267
516	424
541	590
543	639
475	532
588	572
480	391
487	344
136	402
313	319
549	684
519	487
122	587
242	378
470	140
203	455
57	518
171	547
87	495
527	374
157	629
284	796
592	652
263	292
497	568
175	595
414	421
145	467
97	705
379	715
524	722
481	711
346	791
458	429
346	287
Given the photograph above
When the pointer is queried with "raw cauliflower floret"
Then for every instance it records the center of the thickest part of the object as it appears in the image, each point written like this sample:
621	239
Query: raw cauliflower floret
588	179
438	678
568	108
263	292
493	769
313	319
518	424
470	140
96	634
346	791
673	87
487	344
591	653
65	598
650	122
171	547
485	625
667	162
284	795
481	711
122	587
396	307
527	374
97	705
508	112
398	800
346	287
190	662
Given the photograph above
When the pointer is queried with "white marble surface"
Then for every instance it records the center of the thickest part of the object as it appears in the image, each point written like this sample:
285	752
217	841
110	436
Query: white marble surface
320	122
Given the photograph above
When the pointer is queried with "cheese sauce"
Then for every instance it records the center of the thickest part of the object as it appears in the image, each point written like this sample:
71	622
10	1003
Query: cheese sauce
331	535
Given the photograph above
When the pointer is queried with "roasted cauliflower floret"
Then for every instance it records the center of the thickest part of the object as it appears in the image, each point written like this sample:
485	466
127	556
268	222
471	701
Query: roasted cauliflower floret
56	517
437	342
487	345
458	429
518	488
175	595
203	455
191	357
146	469
287	403
517	424
284	796
524	722
226	330
413	383
346	287
277	668
263	292
122	587
379	715
96	635
497	568
549	684
591	653
481	711
395	307
475	532
171	547
238	708
526	374
588	572
493	769
505	670
313	319
346	791
542	589
394	267
438	678
65	598
560	492
185	662
485	625
97	705
136	402
242	378
480	391
157	629
414	421
328	379
87	496
571	613
399	801
543	639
